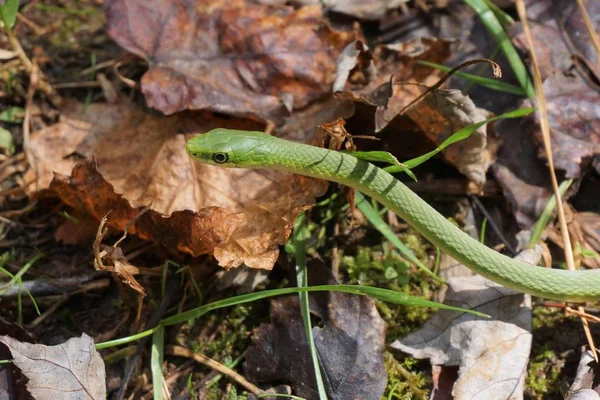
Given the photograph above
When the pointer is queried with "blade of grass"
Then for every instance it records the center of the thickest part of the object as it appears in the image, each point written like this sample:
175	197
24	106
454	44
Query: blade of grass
504	19
386	295
494	84
495	28
8	12
156	362
375	219
378	293
542	222
17	277
482	231
385	157
458	136
299	239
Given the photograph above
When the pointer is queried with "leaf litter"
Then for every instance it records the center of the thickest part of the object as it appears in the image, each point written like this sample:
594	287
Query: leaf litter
243	221
288	69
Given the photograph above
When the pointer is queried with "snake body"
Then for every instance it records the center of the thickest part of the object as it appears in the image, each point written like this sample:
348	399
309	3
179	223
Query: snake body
242	149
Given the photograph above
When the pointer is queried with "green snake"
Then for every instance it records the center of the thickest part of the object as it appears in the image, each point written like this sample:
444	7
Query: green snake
242	149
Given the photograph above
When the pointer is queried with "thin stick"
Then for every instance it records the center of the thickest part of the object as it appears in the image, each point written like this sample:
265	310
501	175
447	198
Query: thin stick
183	352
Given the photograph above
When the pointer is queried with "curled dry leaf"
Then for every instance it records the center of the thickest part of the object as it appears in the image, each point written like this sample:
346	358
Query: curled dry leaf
350	345
236	57
444	112
492	354
396	64
440	114
139	160
72	370
116	262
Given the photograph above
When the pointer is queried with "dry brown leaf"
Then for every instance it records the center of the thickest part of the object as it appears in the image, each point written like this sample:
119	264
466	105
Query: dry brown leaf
395	63
112	259
235	57
560	37
574	118
350	344
521	174
72	370
444	112
139	160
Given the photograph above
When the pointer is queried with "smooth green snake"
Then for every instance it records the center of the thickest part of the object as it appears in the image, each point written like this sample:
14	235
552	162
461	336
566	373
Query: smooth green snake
242	149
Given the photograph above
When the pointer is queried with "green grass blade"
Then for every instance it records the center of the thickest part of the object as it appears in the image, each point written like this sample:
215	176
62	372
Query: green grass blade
299	239
542	222
375	219
8	12
460	135
387	295
383	156
156	362
504	19
381	294
489	83
127	339
16	278
495	28
482	231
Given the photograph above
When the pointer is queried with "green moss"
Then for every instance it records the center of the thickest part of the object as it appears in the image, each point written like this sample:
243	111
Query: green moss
404	380
543	375
546	375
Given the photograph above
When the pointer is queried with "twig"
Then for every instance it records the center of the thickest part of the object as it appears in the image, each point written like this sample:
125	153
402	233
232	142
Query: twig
493	225
183	352
495	67
43	85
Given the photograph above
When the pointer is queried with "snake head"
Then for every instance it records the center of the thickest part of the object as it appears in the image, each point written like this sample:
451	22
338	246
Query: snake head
229	148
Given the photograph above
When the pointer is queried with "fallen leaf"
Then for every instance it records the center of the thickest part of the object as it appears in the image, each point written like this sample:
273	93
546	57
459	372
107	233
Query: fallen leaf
584	394
395	64
112	259
527	201
492	355
12	381
560	38
73	370
235	57
349	342
444	112
241	216
79	229
521	174
583	385
574	119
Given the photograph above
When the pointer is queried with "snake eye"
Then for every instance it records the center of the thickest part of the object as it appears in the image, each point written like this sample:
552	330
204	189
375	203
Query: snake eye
220	158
